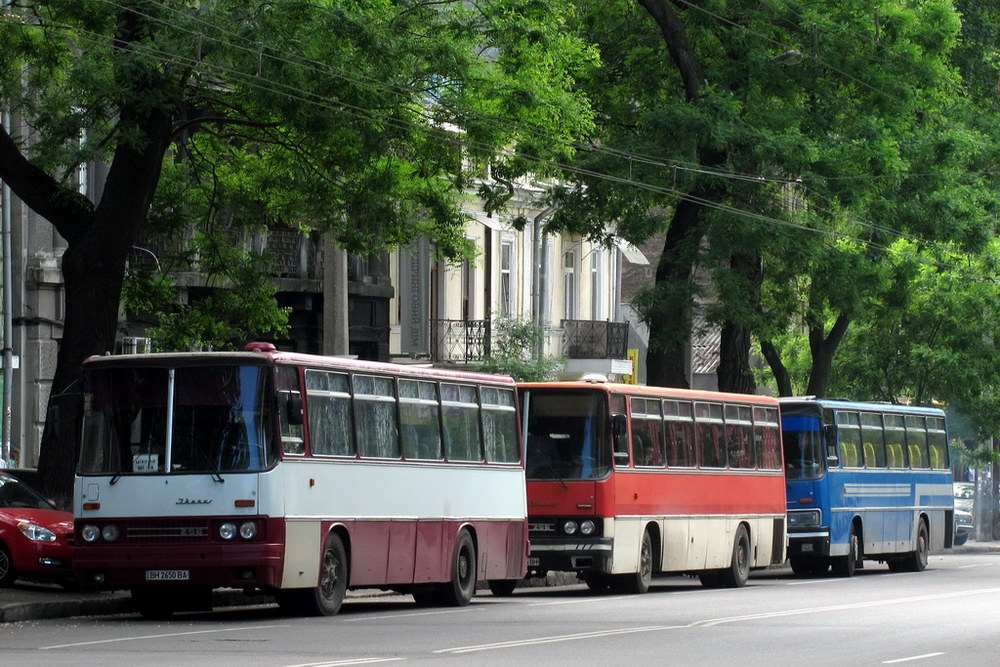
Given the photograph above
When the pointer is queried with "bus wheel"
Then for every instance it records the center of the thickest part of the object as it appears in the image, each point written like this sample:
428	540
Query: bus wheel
916	561
597	582
806	566
462	586
153	604
638	582
502	588
325	599
844	566
736	575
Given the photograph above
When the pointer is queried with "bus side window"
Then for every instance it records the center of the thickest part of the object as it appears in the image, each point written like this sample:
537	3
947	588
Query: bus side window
290	410
619	430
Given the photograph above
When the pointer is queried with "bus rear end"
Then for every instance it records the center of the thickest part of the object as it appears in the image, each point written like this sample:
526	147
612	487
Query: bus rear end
171	493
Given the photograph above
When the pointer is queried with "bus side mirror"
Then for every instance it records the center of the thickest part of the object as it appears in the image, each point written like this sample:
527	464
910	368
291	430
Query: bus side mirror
53	419
619	425
293	410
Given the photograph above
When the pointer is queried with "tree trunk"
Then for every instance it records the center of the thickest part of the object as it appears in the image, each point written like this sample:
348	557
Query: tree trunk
823	350
670	326
93	269
734	371
778	369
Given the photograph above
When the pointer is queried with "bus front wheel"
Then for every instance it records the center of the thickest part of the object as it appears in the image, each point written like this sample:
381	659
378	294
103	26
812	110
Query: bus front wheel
915	561
325	599
638	582
844	566
502	588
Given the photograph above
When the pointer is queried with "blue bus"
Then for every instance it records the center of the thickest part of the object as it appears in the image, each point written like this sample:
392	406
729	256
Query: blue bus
865	481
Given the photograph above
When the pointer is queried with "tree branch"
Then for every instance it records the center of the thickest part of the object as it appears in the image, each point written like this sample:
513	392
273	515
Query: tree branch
69	211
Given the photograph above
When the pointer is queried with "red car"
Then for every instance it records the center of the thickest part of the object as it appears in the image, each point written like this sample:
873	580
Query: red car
36	539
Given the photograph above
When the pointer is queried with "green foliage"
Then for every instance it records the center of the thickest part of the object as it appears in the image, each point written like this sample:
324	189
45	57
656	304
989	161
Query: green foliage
513	344
240	308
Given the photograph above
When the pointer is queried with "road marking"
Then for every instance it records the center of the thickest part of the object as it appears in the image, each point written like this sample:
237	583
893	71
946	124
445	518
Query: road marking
367	619
554	639
602	598
840	607
966	567
839	580
711	622
357	661
160	636
916	657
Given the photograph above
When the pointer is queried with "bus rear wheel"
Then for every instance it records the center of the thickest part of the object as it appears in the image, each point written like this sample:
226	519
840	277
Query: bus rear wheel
459	591
736	575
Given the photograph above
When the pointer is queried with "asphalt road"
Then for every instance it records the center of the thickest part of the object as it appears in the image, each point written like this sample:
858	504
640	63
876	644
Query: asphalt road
946	615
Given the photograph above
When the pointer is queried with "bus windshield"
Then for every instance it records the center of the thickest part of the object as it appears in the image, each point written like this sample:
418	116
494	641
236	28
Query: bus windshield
568	435
804	457
149	420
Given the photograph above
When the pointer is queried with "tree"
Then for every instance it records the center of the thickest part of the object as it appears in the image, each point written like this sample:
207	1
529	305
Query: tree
355	118
786	184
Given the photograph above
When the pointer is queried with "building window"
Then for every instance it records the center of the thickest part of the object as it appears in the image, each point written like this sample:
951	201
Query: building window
569	285
596	284
506	277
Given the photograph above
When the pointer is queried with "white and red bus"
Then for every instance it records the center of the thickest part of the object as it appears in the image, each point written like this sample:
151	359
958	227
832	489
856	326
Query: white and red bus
296	475
626	481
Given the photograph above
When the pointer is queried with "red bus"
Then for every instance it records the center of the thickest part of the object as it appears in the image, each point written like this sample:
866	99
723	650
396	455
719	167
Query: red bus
627	481
296	475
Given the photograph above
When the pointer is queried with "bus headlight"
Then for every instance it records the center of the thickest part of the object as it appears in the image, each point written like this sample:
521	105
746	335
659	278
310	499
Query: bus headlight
110	532
227	531
248	530
804	518
569	527
90	533
587	527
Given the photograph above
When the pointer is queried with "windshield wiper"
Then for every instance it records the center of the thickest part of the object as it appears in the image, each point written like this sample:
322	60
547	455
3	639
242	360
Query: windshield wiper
114	479
217	477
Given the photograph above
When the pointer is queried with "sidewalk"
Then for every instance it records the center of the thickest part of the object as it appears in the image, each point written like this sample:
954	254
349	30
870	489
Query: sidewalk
27	601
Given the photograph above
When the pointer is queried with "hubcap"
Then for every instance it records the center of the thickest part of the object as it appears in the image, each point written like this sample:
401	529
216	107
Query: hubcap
331	565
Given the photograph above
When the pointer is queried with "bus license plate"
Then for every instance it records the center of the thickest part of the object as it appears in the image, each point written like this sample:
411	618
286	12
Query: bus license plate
533	562
168	575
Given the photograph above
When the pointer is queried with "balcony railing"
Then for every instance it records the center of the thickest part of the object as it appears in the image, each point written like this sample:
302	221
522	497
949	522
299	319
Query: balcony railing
460	341
589	339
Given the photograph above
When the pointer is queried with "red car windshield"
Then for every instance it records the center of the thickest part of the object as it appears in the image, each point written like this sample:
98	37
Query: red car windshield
16	494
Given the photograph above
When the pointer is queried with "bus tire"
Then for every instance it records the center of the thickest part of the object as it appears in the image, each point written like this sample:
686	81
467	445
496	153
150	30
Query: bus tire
638	582
844	566
916	561
710	578
325	599
459	591
736	575
502	588
597	582
153	604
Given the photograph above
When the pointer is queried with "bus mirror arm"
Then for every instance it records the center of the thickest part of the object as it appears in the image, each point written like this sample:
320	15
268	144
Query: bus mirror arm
619	425
293	410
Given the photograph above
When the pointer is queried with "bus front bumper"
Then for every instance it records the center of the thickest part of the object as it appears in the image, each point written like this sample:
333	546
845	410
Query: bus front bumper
256	565
809	542
570	555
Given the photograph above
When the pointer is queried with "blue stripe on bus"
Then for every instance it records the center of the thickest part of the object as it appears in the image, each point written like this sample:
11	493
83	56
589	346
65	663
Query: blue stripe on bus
789	423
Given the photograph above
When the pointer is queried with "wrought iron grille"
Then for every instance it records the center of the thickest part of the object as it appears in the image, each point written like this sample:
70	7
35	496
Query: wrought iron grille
590	339
460	341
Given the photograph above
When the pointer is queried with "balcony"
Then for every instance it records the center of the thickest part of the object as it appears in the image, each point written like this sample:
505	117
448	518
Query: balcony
460	341
589	339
